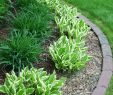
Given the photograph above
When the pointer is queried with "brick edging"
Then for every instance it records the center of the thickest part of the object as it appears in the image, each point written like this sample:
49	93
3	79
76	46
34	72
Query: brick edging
107	67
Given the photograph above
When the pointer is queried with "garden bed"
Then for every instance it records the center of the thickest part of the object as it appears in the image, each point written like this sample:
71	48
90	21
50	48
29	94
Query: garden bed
44	35
82	82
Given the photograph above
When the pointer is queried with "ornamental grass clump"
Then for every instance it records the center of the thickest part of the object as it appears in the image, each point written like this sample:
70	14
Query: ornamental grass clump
19	50
36	18
68	55
3	9
24	3
32	82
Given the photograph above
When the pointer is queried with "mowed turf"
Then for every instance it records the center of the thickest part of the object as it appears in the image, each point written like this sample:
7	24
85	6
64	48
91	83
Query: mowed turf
101	13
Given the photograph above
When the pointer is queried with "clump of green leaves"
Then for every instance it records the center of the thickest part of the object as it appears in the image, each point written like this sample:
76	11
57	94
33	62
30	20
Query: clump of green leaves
3	9
68	54
35	18
24	3
19	50
32	82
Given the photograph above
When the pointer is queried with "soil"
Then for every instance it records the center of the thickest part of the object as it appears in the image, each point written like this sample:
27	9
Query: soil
80	82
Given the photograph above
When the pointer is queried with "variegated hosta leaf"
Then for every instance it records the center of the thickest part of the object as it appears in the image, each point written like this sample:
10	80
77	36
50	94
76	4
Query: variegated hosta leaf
68	54
32	81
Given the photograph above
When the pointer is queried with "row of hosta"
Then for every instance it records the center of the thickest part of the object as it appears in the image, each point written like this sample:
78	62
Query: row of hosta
69	52
30	25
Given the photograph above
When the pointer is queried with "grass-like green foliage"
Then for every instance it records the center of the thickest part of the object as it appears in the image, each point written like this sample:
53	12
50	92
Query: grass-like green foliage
24	3
19	50
34	18
3	9
68	54
32	82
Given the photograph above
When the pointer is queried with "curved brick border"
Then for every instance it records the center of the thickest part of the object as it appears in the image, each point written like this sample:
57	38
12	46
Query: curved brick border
107	67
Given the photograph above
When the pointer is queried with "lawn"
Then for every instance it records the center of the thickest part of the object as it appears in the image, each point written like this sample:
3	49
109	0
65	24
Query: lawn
100	12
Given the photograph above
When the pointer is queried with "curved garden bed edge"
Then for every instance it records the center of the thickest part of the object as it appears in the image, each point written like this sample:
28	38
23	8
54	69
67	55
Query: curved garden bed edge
107	66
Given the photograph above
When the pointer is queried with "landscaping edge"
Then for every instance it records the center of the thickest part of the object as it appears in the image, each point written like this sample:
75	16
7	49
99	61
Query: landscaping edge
107	66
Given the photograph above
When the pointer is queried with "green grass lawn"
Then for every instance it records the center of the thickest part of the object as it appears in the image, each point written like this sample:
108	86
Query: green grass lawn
101	13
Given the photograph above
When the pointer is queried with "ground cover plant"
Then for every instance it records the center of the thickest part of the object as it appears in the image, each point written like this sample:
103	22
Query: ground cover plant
32	82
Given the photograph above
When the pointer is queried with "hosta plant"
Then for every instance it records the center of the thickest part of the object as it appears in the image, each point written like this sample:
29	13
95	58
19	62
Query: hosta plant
68	23
19	50
32	82
72	26
68	54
